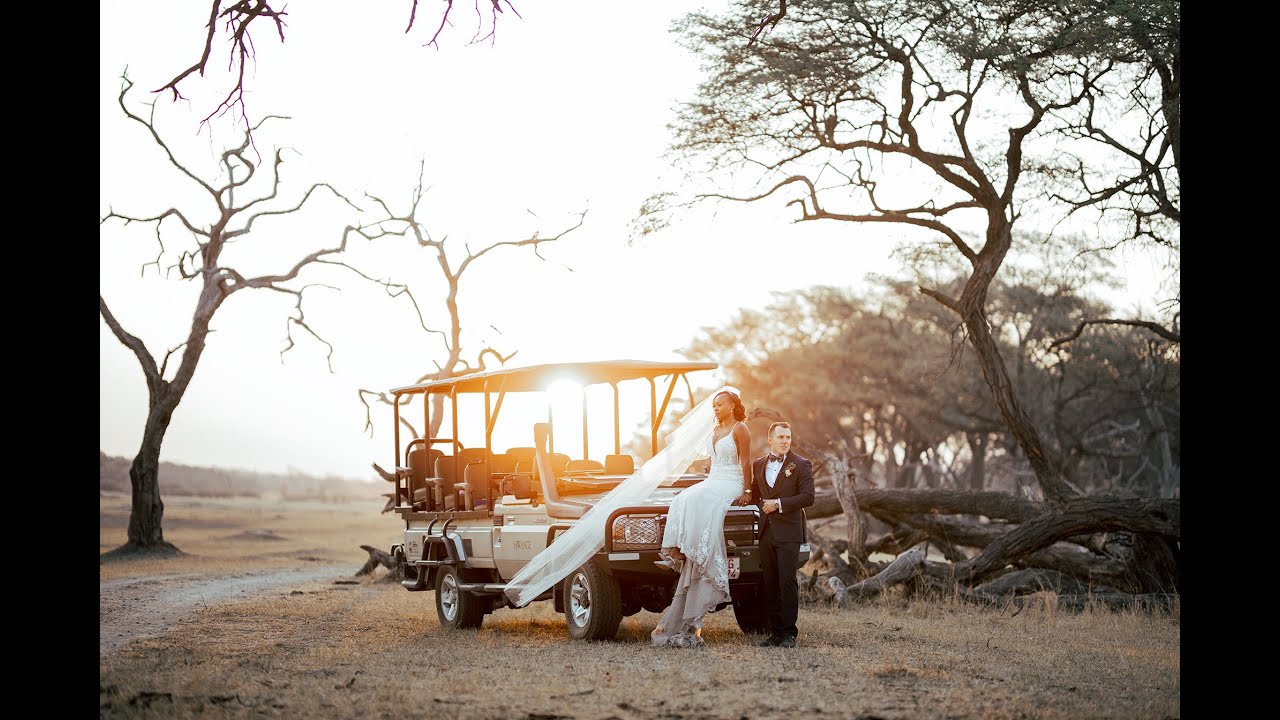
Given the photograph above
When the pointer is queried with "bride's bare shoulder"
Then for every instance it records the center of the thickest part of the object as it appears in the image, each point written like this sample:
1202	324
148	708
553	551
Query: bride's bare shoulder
740	430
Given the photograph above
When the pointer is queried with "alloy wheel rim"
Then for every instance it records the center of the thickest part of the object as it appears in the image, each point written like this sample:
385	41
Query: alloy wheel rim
580	600
449	597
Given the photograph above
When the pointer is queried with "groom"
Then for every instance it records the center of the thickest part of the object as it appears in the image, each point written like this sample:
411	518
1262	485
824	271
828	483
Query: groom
782	487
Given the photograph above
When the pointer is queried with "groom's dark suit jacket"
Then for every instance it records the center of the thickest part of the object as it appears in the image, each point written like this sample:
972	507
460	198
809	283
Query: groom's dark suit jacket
794	490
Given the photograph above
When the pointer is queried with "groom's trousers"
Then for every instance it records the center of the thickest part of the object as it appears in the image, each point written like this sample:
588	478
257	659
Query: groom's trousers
779	561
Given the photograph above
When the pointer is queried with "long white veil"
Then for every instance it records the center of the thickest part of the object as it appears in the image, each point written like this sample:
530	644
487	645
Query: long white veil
690	441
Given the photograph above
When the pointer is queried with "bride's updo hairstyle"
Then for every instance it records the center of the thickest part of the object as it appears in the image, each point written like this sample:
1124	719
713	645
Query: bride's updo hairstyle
739	410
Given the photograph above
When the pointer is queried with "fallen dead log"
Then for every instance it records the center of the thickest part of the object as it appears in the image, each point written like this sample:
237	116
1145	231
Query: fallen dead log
1076	516
1149	564
1031	580
891	503
955	530
897	541
906	566
838	564
1062	556
379	557
936	580
1081	564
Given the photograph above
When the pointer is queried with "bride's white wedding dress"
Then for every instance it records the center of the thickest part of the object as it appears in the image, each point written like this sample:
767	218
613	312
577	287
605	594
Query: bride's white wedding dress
695	524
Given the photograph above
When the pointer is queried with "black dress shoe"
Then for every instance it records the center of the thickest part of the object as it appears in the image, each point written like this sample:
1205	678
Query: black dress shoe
787	642
771	641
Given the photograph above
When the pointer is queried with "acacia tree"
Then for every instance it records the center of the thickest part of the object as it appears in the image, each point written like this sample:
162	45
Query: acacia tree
1133	114
841	88
921	115
1122	155
241	192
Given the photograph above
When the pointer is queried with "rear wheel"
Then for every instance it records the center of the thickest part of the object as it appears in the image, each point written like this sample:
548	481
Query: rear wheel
592	604
456	608
749	610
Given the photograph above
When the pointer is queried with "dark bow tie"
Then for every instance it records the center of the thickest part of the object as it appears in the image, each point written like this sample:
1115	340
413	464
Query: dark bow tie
773	458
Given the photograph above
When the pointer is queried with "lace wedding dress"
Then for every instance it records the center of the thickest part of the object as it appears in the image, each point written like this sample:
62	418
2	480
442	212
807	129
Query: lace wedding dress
695	524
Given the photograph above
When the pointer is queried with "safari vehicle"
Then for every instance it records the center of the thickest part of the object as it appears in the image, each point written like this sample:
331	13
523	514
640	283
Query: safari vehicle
474	516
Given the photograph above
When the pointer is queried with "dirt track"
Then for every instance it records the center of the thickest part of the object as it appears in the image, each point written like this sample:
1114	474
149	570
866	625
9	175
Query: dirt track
135	608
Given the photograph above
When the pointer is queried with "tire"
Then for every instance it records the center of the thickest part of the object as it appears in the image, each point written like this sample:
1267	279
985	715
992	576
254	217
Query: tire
592	604
456	608
749	610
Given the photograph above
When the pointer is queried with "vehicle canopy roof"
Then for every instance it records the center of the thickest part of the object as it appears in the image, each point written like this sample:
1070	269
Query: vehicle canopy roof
535	378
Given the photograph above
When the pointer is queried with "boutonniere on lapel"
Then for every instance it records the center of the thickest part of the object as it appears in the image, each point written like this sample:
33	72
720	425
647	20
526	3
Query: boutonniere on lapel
787	470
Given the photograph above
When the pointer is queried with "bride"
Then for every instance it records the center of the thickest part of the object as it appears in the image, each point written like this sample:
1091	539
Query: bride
713	425
693	540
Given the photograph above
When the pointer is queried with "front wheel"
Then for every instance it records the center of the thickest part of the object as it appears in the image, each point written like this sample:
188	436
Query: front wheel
456	608
592	604
749	610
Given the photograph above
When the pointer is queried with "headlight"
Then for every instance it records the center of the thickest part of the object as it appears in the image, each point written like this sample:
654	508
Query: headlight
632	532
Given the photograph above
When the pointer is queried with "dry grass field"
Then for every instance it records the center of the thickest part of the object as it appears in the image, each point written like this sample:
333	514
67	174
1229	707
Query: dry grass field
247	626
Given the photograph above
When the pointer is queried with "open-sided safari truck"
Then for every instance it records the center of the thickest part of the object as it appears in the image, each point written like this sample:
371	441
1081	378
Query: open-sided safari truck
474	516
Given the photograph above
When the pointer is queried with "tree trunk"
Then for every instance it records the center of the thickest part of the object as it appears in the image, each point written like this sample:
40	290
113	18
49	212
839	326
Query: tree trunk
1166	483
891	478
147	513
977	468
144	477
1150	562
972	311
437	417
843	479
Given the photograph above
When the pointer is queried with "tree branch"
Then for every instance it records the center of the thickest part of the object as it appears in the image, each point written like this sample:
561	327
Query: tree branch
770	21
155	381
1153	327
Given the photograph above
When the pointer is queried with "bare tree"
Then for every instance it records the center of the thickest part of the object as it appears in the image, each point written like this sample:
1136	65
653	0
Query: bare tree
230	23
242	193
409	225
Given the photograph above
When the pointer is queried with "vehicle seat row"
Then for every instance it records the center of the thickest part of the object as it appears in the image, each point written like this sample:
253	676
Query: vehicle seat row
484	474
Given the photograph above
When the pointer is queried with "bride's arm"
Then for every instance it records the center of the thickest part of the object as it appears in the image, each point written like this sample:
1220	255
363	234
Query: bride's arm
742	438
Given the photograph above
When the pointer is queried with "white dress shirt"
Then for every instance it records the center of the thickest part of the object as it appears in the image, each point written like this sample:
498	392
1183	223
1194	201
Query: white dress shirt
771	470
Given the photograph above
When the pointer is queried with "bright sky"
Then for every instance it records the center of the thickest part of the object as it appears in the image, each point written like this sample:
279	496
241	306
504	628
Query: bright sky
566	112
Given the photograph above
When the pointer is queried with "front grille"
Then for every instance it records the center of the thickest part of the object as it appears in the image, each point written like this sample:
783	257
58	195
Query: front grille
638	532
644	532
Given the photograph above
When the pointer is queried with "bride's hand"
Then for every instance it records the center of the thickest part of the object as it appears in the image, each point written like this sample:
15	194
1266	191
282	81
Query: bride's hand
743	499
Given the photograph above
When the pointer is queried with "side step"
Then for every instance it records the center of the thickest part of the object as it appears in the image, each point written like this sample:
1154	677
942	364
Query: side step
483	588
